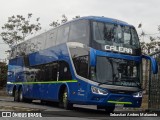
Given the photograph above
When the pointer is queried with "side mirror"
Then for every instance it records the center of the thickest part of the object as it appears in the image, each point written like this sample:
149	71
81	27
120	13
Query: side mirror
154	65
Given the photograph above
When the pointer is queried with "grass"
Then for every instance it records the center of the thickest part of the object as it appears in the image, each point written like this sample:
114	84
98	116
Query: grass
3	92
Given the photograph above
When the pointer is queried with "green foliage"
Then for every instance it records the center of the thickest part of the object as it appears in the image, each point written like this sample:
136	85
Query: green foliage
3	74
64	19
56	23
76	17
153	41
18	28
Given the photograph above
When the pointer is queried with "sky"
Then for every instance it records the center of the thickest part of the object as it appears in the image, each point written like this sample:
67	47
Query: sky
133	12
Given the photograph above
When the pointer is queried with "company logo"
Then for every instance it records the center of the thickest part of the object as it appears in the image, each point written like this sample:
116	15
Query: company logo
118	49
6	114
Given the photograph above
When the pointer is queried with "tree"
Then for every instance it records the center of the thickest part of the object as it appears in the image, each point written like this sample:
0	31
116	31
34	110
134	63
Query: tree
18	28
63	20
76	17
56	23
152	43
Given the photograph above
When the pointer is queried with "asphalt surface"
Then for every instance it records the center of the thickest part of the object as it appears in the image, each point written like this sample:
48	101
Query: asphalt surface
52	111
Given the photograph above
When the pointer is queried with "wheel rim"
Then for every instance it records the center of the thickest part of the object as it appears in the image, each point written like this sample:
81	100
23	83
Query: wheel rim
16	96
21	96
64	99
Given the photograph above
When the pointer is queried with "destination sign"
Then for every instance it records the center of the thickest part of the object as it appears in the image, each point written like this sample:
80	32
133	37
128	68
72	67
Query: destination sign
118	49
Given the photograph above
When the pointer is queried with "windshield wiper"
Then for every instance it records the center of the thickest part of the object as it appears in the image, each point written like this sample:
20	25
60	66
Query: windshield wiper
127	79
131	79
104	82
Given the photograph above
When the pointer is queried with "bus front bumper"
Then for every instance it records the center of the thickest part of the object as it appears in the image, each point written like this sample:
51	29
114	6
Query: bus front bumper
115	99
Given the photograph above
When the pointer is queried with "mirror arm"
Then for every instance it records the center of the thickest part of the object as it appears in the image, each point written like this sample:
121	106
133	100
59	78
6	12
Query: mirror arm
153	63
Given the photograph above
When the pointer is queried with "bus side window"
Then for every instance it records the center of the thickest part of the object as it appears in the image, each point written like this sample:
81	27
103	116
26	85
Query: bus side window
40	74
54	71
41	42
62	36
51	38
79	32
26	60
64	71
81	66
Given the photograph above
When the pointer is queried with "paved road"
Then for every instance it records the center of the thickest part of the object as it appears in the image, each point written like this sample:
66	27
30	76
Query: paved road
51	110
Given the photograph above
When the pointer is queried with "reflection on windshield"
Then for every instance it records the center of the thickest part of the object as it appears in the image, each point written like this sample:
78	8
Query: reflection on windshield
116	72
105	32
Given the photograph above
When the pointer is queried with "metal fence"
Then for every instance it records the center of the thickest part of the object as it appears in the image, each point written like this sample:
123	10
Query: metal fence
154	86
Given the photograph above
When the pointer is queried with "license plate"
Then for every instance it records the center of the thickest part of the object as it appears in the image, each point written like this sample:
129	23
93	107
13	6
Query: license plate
119	105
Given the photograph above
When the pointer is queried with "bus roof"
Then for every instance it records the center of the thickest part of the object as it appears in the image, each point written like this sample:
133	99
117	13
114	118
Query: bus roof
94	18
103	19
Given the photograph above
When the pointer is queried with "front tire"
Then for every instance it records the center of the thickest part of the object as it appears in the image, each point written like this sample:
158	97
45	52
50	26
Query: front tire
64	100
16	96
21	98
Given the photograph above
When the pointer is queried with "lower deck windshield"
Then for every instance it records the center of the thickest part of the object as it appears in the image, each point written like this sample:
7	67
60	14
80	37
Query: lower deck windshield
119	72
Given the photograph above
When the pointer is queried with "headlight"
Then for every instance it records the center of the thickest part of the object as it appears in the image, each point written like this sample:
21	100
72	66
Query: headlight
138	94
98	91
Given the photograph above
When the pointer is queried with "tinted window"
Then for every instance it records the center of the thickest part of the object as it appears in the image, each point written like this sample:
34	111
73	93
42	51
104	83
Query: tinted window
80	57
81	65
28	42
79	32
26	60
49	72
107	33
51	38
64	71
23	48
40	42
134	37
34	45
117	72
63	32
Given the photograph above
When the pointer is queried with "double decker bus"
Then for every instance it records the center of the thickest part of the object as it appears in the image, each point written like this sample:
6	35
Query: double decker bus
90	61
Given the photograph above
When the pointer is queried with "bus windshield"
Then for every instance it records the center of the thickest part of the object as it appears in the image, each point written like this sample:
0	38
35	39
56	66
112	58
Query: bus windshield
119	72
107	33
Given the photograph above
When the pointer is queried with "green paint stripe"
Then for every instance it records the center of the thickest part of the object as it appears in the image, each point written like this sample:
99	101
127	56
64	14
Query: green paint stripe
117	102
46	82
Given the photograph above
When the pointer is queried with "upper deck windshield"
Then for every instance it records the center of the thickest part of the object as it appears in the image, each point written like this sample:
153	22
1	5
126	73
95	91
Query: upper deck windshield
107	33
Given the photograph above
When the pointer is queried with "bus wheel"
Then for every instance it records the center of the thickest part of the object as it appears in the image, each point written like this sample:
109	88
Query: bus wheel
65	103
16	96
109	109
21	99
